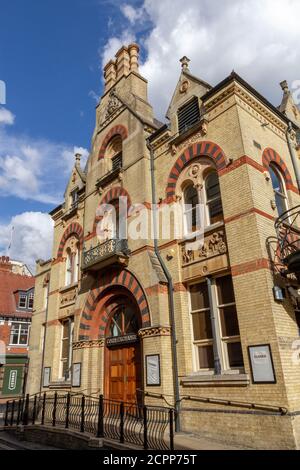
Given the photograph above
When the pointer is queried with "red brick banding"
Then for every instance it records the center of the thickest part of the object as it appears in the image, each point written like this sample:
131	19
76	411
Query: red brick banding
200	149
117	130
72	229
97	299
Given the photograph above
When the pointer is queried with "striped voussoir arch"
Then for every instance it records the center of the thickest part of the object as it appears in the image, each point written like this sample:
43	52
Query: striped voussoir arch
111	195
207	149
269	156
124	279
117	130
72	229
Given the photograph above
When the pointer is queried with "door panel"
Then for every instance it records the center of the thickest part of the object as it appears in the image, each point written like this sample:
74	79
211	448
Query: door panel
124	373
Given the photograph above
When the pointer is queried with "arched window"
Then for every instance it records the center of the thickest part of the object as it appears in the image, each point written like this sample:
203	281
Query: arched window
191	201
114	152
123	322
213	199
72	265
279	189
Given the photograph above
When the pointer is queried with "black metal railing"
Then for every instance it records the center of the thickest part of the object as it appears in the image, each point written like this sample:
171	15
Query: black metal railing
103	251
288	234
148	427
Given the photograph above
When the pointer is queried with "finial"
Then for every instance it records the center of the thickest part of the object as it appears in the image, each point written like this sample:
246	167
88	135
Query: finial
185	63
285	87
77	158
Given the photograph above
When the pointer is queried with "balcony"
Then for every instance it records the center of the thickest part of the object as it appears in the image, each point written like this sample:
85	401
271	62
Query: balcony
288	235
110	252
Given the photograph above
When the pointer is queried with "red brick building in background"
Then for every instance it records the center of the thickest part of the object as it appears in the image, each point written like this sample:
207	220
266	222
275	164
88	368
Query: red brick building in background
16	305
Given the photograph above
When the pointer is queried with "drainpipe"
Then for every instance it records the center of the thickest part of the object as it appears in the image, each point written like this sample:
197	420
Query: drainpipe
45	336
170	291
292	153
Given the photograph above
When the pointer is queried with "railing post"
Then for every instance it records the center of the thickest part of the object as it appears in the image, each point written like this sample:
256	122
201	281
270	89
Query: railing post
19	411
12	412
100	429
43	409
82	413
6	414
26	411
54	410
122	422
34	410
68	410
145	427
171	423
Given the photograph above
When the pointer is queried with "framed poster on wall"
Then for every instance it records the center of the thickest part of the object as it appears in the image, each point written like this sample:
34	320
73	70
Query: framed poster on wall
261	363
153	370
46	376
76	375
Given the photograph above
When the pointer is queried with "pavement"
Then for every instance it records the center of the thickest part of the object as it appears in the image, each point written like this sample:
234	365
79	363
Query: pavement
183	441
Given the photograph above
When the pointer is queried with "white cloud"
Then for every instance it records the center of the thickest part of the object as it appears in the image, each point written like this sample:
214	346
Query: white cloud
30	235
35	169
257	39
131	13
6	117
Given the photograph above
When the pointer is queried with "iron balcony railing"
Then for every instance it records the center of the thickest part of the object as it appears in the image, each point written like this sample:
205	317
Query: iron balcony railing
288	234
103	251
148	427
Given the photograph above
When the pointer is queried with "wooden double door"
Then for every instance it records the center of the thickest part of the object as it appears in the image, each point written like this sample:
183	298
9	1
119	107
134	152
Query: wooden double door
123	368
123	380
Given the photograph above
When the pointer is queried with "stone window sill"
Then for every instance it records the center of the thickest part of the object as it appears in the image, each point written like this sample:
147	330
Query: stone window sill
225	380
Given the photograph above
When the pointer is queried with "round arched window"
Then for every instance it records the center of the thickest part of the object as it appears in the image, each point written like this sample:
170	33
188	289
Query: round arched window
279	190
213	198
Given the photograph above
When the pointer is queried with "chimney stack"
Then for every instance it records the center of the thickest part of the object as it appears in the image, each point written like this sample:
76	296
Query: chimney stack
126	61
5	264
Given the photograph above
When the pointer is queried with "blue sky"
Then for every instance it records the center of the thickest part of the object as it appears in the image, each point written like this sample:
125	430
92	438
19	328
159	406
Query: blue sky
51	58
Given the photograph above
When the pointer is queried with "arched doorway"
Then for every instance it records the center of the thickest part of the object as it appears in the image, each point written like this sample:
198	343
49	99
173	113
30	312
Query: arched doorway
123	368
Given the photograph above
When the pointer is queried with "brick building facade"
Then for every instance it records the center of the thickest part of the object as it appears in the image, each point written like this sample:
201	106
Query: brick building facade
16	305
208	327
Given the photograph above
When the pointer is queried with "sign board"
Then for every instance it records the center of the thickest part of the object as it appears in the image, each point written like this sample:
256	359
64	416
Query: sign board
153	370
76	375
121	340
261	362
46	378
12	380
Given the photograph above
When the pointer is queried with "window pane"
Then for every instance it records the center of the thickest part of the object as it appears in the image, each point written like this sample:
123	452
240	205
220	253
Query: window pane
280	203
206	357
199	296
276	181
66	329
65	349
191	196
235	355
202	326
215	211
64	368
22	301
225	290
229	321
212	186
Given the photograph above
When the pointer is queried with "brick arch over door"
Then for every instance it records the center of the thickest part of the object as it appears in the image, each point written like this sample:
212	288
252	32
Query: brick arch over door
205	149
270	156
111	195
72	229
113	279
117	130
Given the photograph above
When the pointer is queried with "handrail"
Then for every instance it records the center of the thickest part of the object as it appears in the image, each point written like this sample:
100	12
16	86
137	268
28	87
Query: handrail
219	401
